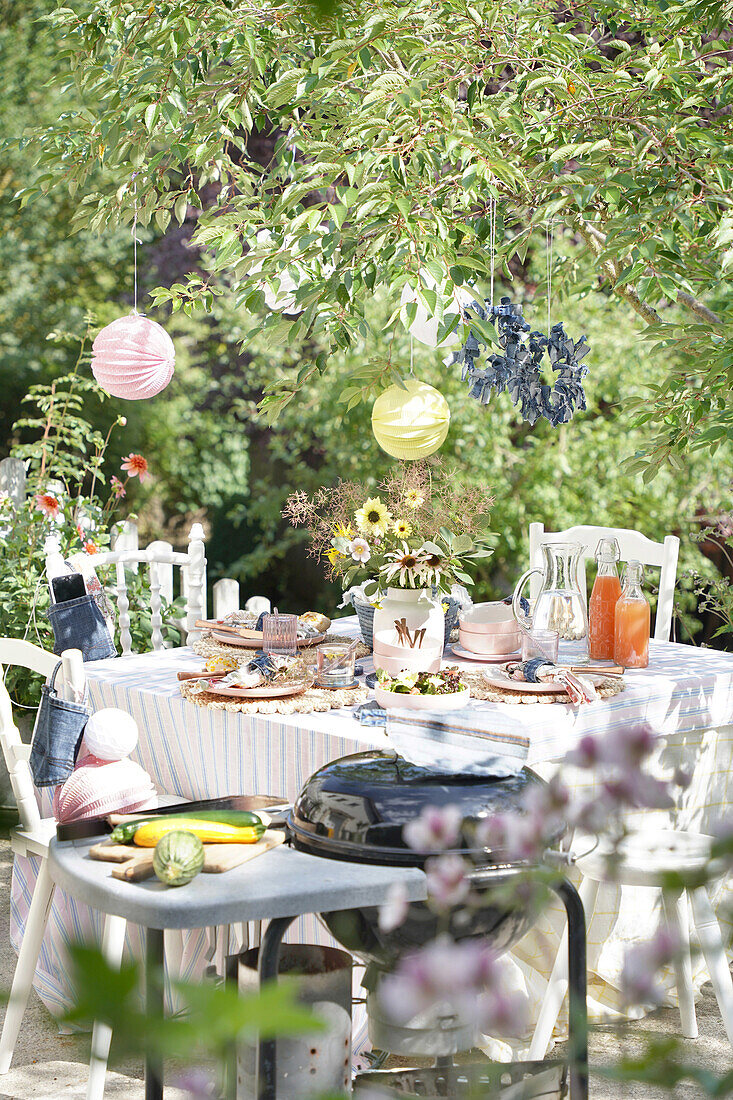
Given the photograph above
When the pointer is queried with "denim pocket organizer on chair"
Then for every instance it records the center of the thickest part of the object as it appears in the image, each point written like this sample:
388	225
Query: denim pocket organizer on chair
79	624
57	736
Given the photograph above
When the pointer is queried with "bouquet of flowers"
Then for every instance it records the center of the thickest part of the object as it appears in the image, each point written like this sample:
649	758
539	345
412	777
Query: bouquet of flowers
418	530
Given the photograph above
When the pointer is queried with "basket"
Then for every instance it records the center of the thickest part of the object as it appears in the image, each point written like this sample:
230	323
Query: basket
365	614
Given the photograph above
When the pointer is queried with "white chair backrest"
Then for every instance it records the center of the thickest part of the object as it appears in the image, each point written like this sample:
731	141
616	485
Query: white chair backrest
633	546
160	558
69	683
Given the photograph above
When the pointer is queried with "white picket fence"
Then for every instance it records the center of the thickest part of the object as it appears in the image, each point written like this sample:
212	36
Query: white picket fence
226	595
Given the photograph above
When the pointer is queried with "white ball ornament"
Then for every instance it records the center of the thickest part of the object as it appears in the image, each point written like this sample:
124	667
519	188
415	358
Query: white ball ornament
133	357
111	734
424	327
410	422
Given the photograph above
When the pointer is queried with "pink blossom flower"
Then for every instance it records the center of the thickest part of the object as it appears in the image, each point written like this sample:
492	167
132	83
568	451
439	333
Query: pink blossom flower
359	550
502	1012
462	980
48	504
136	466
624	748
394	911
640	983
446	880
437	828
198	1083
118	489
518	836
90	547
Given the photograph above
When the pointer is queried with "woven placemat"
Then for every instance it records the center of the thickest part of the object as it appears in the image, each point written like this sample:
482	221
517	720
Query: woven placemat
312	699
480	689
206	646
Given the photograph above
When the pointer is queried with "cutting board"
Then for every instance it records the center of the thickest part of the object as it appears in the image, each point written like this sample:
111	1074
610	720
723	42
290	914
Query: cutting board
136	864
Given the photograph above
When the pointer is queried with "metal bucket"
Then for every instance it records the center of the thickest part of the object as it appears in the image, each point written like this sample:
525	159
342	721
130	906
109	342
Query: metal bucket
313	1064
485	1081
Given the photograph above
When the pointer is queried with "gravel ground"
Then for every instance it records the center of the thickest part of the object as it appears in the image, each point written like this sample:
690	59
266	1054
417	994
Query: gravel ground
49	1066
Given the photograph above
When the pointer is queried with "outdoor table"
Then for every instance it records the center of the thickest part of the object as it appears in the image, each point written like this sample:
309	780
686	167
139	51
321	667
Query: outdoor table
281	885
686	695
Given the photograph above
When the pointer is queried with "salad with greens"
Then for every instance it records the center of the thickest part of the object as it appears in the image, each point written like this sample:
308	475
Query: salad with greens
446	682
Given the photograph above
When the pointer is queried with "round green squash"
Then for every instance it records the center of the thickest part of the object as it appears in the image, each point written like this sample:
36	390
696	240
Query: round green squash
178	857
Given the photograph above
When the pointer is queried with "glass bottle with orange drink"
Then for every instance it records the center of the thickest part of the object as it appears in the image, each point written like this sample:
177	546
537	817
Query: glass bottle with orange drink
603	598
633	621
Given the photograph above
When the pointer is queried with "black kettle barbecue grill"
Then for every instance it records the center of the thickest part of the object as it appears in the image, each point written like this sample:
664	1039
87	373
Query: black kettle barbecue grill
355	809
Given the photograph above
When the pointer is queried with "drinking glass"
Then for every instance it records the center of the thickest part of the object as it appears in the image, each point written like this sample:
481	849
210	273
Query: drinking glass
540	643
327	656
280	634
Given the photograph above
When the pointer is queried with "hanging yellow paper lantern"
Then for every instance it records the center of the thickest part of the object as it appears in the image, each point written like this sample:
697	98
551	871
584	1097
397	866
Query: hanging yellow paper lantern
410	422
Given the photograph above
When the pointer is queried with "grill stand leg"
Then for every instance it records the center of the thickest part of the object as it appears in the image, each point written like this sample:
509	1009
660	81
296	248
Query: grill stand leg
155	1005
269	961
577	991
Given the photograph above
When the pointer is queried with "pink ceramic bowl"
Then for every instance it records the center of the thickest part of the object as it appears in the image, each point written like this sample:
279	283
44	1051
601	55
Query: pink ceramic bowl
488	618
490	644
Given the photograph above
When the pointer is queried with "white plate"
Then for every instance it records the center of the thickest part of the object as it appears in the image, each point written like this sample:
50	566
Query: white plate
486	658
263	692
499	677
421	702
256	643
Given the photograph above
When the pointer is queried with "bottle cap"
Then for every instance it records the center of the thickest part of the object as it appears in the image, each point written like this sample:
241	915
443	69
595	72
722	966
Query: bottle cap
608	550
634	573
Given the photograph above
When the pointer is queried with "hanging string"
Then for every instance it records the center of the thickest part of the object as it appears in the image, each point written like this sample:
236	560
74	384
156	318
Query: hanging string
548	251
134	240
492	242
411	350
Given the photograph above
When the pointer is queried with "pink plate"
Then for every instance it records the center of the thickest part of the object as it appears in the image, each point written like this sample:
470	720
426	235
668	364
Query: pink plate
256	643
484	658
499	677
263	692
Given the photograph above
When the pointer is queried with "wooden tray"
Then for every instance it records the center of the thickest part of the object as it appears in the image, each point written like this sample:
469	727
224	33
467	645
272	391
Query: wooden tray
133	864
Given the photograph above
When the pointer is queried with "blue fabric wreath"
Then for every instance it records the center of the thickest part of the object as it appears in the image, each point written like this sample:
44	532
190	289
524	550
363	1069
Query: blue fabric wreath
517	370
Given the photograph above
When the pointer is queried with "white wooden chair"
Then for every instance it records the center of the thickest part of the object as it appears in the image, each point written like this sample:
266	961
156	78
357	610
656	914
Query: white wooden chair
31	837
644	859
160	558
633	546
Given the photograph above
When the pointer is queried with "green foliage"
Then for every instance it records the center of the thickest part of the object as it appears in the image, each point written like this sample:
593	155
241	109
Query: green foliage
395	127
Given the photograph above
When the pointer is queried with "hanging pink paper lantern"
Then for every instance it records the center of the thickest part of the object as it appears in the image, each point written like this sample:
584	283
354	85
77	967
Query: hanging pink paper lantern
133	357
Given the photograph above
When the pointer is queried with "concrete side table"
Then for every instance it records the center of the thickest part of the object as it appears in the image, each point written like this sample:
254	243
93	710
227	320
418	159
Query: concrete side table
279	887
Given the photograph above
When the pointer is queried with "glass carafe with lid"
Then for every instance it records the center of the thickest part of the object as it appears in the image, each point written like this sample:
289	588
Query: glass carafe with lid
603	599
560	604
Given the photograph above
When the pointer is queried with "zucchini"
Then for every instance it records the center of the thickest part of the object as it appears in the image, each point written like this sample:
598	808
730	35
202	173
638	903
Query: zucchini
123	834
178	857
148	833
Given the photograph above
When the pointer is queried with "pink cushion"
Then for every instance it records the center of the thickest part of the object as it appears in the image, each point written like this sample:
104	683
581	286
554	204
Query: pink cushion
98	787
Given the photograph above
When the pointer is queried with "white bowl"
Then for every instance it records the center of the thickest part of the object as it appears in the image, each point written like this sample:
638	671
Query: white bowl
452	701
490	644
386	649
395	665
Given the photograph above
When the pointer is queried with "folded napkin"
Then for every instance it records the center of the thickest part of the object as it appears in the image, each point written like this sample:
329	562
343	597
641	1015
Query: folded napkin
454	743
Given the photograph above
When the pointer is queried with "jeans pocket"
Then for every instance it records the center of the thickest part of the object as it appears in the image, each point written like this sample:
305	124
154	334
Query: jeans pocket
78	624
56	738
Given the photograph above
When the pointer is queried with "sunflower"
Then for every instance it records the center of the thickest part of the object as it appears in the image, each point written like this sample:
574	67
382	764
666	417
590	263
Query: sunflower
402	528
414	498
406	563
373	518
344	531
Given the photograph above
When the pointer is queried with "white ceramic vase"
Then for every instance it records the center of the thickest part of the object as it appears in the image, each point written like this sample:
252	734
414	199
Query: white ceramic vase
421	621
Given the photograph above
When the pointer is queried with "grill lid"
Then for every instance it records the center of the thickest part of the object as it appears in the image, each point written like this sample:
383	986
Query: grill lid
355	808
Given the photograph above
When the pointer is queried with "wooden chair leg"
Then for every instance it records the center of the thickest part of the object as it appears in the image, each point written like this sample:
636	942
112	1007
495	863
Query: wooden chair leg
711	942
558	984
25	968
113	942
675	912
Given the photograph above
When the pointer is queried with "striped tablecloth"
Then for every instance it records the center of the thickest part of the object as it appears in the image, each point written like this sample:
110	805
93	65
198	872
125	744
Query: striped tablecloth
686	695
